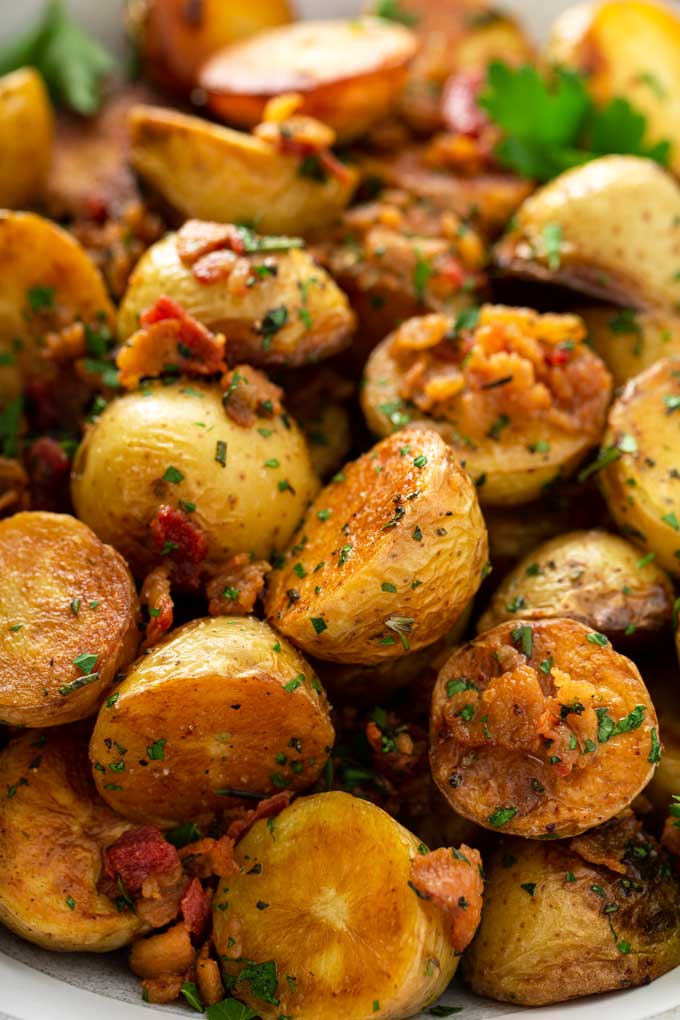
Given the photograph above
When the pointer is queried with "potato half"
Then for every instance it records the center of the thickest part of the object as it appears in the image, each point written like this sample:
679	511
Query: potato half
222	712
53	828
641	481
25	137
589	576
628	341
386	558
518	395
338	939
292	314
243	487
68	619
211	172
349	73
562	920
541	729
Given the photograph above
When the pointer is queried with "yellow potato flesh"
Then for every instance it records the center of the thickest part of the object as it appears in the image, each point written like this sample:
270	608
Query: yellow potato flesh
629	342
25	137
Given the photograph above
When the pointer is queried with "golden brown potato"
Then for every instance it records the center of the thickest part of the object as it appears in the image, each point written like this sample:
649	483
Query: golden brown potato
359	894
628	341
562	920
25	137
518	395
589	576
292	312
640	481
68	619
386	558
211	172
329	437
349	73
165	470
541	729
53	828
572	232
222	709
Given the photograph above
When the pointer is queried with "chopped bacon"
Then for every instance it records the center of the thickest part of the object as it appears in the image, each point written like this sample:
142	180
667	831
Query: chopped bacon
66	344
169	952
215	266
162	990
138	855
265	809
208	856
199	237
250	395
398	749
235	587
452	880
460	103
175	535
195	906
157	597
208	977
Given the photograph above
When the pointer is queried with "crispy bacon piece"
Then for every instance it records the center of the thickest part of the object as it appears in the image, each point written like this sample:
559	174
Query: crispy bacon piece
265	809
208	856
249	395
208	977
175	535
199	237
139	855
235	587
156	596
162	990
169	952
452	880
397	749
195	907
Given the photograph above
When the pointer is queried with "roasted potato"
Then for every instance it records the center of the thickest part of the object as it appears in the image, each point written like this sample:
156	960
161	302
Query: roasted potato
541	729
211	172
182	737
628	341
291	314
589	576
68	619
357	895
171	450
518	395
662	677
640	481
53	828
25	137
572	232
386	558
349	73
562	920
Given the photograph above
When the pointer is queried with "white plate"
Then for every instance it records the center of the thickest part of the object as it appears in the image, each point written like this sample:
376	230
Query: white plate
37	985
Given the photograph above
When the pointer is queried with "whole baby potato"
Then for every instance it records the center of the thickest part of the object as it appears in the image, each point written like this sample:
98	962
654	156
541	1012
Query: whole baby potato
221	712
244	487
25	137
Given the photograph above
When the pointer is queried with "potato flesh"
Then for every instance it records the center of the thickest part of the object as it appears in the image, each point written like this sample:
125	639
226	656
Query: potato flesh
25	137
540	770
64	595
630	342
221	705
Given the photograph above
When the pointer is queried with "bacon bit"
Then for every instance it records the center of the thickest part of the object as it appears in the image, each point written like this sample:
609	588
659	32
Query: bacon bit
210	986
408	747
195	906
208	856
607	844
162	990
66	344
216	266
460	107
452	880
250	395
156	596
175	535
116	241
13	486
170	952
199	237
235	587
138	855
335	167
265	809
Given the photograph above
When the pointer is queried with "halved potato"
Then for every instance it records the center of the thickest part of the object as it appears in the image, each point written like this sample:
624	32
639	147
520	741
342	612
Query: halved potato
640	481
518	395
387	556
53	828
541	729
25	137
589	576
330	896
349	73
628	341
221	712
171	454
574	232
211	172
68	619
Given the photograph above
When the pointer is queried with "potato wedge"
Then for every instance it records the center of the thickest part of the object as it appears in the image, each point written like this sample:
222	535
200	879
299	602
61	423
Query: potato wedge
230	487
640	481
292	313
349	73
580	745
25	137
301	875
68	619
221	711
589	576
516	394
386	558
53	828
562	920
572	232
211	172
628	341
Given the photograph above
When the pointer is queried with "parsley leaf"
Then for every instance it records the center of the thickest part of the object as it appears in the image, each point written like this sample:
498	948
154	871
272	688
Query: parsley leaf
230	1009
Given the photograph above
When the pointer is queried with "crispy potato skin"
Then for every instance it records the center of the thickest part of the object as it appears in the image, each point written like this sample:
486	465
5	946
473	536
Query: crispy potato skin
403	512
525	776
48	561
117	483
349	73
53	828
630	342
206	171
589	576
530	948
25	137
299	285
211	699
641	488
